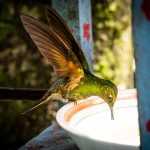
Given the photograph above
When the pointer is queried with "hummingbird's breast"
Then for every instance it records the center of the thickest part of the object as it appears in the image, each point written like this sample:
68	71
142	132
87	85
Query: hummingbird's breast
85	89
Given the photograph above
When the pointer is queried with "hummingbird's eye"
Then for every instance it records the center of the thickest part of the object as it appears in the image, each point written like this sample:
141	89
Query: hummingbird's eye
110	98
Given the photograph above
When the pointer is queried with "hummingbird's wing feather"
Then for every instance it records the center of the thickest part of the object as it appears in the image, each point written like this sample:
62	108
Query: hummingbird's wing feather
52	47
63	31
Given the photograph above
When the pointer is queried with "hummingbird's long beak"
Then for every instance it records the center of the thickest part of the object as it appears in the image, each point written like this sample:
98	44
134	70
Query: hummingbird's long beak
112	112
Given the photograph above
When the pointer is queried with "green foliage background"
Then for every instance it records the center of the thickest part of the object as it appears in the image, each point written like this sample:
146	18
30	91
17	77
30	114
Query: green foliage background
112	41
21	65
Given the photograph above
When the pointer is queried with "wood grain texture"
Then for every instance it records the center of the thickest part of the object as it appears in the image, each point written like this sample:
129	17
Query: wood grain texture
52	138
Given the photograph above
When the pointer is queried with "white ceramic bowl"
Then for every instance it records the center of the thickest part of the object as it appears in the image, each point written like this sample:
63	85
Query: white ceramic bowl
90	126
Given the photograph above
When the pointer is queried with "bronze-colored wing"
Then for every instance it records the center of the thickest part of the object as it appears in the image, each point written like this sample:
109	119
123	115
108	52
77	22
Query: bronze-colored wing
59	26
52	47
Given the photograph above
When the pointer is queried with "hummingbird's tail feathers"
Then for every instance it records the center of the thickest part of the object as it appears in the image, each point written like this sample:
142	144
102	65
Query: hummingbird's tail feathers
60	27
44	98
36	106
52	47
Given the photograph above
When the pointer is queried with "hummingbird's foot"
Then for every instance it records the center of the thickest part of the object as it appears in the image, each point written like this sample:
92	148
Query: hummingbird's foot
73	100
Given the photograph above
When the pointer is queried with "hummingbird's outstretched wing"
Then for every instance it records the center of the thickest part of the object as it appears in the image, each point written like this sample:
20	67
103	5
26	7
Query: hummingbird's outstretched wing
53	48
60	27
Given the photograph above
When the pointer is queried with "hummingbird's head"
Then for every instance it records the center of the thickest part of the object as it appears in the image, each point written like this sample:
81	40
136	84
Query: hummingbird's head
109	94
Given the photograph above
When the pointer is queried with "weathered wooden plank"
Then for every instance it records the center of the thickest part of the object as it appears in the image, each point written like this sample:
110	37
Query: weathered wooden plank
52	138
141	38
86	38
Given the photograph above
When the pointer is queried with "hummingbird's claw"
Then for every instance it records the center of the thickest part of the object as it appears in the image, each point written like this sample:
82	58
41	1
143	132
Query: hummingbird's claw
75	102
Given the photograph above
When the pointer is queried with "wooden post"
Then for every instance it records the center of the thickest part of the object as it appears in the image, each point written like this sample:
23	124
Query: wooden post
141	38
77	14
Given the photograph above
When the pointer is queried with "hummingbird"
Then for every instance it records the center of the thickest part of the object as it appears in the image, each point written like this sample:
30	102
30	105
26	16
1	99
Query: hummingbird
59	47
